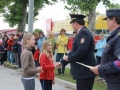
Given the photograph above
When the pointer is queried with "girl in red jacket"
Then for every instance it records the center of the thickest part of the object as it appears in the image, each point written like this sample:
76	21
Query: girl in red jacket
47	76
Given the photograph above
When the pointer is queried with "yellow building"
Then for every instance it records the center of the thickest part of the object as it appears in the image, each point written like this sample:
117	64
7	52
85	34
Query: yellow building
100	25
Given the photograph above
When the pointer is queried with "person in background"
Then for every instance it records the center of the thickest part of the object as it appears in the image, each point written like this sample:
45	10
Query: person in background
15	49
36	56
5	45
20	46
40	40
1	50
51	38
100	45
28	64
10	54
61	49
70	41
46	62
110	60
36	34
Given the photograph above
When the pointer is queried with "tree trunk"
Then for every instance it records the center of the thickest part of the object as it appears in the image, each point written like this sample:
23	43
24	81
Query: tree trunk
22	24
91	20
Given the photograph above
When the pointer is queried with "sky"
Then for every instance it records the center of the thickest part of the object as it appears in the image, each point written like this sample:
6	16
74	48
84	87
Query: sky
56	12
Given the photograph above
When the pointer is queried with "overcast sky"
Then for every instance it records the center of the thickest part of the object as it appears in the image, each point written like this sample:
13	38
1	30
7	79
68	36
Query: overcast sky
56	12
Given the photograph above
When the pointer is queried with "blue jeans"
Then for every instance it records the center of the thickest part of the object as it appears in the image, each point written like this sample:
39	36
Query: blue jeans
59	56
10	56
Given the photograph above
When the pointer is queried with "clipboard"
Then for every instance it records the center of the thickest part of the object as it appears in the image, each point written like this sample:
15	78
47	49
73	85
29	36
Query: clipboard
84	65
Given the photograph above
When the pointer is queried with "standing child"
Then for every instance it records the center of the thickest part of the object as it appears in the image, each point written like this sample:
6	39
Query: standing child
47	64
28	64
36	56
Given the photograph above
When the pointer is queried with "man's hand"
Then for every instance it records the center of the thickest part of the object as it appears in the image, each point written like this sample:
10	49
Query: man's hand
95	69
58	65
65	58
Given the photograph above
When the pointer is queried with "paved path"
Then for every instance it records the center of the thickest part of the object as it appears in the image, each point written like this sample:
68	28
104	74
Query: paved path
11	80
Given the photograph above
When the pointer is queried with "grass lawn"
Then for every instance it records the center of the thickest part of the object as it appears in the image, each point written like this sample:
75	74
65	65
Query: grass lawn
98	85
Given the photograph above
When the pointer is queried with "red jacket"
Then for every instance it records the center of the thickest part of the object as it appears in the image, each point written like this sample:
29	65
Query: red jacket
10	43
36	54
47	67
69	45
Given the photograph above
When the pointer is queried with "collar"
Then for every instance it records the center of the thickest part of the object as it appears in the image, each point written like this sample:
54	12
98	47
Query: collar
115	31
28	48
80	29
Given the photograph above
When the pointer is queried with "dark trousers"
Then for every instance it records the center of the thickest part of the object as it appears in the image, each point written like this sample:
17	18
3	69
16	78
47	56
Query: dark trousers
98	60
85	84
1	58
113	88
37	63
59	56
5	56
46	84
19	61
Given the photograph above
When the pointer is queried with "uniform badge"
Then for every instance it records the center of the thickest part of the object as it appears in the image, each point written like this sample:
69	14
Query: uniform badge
82	40
119	33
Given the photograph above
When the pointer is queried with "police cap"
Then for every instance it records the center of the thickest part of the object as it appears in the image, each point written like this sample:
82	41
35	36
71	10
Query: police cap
112	13
76	17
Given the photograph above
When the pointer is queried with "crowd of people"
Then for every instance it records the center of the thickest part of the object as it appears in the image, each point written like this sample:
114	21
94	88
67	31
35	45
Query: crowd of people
34	53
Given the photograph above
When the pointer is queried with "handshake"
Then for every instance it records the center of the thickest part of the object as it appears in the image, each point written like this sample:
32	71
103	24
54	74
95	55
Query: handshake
39	69
58	65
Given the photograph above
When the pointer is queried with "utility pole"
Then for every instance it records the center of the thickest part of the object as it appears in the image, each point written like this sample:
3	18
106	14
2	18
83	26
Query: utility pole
30	16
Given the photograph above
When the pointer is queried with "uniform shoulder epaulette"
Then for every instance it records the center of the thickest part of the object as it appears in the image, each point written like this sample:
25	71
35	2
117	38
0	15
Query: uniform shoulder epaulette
119	34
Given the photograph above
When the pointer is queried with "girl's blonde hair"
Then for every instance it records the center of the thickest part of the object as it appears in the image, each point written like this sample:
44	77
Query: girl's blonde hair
51	34
27	36
44	49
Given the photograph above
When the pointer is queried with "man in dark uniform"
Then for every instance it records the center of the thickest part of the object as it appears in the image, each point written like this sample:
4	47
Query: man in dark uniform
83	52
110	60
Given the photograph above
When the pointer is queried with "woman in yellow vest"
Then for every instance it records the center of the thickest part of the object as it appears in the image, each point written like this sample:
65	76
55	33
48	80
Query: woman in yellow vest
61	43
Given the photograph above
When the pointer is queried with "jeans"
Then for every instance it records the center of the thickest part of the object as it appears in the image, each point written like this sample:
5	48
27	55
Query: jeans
59	56
10	56
28	84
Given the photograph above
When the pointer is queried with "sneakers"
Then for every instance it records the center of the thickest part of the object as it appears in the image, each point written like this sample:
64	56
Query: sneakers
100	78
61	74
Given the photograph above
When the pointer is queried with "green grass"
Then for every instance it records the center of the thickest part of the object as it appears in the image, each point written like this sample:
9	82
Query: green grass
98	85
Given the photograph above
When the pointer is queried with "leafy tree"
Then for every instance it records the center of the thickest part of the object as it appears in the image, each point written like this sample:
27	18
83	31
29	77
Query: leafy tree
113	6
15	12
89	7
38	30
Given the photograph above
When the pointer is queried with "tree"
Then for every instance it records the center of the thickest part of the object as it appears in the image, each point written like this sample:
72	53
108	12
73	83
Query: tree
38	30
15	13
89	7
113	6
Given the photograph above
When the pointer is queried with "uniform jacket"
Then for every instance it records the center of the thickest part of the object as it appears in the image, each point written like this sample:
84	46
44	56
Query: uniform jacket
99	46
83	52
36	54
47	67
111	52
62	42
